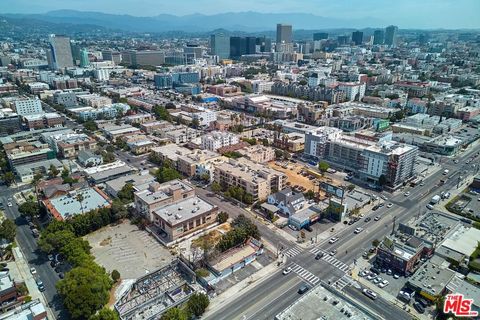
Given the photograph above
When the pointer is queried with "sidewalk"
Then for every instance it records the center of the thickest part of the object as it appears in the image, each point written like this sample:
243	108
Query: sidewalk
20	270
237	289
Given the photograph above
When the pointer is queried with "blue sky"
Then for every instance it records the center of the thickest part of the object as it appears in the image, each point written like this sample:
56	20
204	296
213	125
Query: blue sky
405	13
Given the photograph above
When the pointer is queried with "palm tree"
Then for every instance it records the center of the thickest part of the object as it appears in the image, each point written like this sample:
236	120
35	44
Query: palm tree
80	199
36	180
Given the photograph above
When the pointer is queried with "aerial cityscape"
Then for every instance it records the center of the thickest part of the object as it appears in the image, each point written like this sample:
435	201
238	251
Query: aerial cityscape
239	160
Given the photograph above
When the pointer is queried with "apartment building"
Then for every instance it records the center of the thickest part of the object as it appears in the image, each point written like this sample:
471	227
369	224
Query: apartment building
26	106
255	178
160	195
69	145
22	152
218	139
44	120
184	217
258	153
198	162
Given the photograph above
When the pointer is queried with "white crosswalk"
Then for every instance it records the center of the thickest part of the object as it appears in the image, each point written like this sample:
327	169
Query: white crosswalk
305	274
343	282
317	250
293	251
336	263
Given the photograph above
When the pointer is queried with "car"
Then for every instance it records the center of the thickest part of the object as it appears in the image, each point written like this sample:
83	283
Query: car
384	197
358	230
375	208
293	227
9	204
396	276
333	240
287	270
40	285
369	293
385	283
50	257
319	256
377	218
308	228
33	270
371	276
364	273
365	255
303	288
333	252
406	194
390	205
367	219
383	270
351	222
31	225
419	308
389	272
381	204
361	215
61	275
429	206
455	161
422	302
377	280
9	199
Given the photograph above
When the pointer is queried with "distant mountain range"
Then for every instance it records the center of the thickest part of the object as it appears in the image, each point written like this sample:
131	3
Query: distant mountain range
238	21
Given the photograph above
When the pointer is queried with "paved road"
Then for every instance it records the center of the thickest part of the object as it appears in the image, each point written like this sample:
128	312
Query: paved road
33	255
276	292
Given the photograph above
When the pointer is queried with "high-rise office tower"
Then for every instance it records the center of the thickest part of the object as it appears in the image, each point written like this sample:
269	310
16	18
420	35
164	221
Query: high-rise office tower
263	44
220	45
320	36
391	35
284	33
342	40
84	61
378	37
238	47
250	43
60	52
357	37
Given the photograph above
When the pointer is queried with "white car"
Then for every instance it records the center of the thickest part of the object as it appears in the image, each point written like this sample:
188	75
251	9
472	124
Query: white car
358	230
371	277
390	205
384	197
287	270
9	204
429	206
333	240
369	293
33	270
406	194
383	284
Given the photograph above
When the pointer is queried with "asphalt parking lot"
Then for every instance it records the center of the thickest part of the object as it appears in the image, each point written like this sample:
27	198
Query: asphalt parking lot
131	251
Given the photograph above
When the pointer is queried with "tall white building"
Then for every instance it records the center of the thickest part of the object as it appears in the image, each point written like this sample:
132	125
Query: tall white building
353	90
102	74
216	140
59	54
28	106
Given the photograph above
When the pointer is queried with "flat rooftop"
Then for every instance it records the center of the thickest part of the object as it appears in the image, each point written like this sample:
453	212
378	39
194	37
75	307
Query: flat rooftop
185	210
68	205
320	303
163	191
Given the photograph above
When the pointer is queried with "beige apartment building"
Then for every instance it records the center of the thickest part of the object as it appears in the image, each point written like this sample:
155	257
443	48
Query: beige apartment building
255	178
159	195
258	153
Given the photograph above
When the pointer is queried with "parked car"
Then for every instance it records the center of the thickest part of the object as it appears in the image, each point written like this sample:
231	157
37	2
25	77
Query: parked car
40	285
419	308
33	270
390	205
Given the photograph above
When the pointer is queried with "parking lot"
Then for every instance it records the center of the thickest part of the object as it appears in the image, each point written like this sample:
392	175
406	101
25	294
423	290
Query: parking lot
131	251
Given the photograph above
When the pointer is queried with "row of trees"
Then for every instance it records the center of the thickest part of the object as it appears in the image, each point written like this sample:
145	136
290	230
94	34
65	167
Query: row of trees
243	229
237	193
8	230
86	287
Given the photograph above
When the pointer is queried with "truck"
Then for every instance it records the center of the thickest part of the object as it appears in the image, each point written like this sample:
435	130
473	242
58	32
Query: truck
435	199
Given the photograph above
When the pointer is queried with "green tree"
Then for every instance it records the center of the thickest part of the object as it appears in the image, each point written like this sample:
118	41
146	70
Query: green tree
323	166
165	174
248	198
77	252
216	187
53	171
222	217
382	180
29	208
105	314
197	304
108	157
80	199
65	173
84	291
126	193
8	178
375	243
54	241
309	194
118	210
90	125
8	230
162	113
175	313
195	123
115	275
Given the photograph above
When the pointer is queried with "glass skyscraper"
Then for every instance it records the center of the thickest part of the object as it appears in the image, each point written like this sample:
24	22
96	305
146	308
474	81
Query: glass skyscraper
220	45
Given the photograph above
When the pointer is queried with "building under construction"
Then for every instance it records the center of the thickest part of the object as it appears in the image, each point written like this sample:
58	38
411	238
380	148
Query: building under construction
156	292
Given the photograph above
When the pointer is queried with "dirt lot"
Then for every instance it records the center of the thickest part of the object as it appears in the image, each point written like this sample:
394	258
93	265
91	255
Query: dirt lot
293	177
131	251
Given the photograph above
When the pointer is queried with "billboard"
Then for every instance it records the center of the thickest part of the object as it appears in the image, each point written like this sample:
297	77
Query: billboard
333	190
